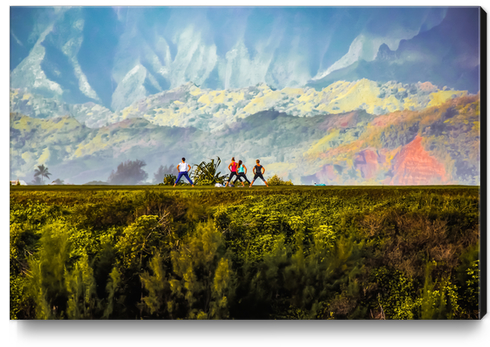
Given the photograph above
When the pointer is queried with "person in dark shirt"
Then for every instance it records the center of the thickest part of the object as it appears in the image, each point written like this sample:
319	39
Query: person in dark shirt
258	172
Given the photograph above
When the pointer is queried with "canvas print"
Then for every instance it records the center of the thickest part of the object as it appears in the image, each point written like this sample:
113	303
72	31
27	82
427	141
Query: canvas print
246	163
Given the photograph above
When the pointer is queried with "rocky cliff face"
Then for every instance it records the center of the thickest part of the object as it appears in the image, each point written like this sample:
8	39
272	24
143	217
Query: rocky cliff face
413	165
367	163
437	145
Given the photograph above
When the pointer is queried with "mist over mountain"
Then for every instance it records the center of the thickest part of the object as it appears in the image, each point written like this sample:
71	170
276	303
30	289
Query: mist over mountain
114	56
445	55
211	110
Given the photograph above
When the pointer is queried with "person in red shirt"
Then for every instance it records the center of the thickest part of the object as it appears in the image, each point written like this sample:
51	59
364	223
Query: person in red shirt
232	167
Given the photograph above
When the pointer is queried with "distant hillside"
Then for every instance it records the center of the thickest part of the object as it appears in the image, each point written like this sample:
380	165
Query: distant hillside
437	145
34	105
211	110
79	154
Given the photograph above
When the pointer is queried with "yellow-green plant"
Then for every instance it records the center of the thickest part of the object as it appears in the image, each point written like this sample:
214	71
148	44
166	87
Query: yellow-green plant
278	181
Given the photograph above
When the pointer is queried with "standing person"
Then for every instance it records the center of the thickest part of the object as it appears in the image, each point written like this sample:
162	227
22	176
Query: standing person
259	170
184	169
242	171
232	167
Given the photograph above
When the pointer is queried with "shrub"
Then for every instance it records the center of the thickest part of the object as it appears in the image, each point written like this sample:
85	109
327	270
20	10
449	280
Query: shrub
278	181
169	180
128	172
341	253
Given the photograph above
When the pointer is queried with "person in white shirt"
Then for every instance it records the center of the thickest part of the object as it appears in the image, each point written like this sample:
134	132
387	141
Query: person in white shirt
183	171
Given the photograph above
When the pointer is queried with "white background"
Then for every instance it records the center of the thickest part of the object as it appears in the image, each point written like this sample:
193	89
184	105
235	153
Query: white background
207	333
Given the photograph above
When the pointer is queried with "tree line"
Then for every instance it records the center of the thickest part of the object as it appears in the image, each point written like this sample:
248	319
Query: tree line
130	172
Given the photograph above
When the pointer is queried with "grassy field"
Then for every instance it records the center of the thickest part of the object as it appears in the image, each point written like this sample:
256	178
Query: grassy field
256	186
284	252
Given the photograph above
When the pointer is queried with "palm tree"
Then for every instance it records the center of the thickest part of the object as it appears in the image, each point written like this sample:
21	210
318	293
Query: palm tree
42	171
207	173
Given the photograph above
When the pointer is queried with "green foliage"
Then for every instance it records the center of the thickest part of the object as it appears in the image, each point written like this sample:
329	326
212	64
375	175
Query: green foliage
157	286
169	180
396	294
278	181
19	301
207	173
46	275
439	298
42	171
82	298
472	288
113	285
336	253
468	274
203	278
138	240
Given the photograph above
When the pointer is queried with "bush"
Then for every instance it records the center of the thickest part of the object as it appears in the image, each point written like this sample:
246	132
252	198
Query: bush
128	172
169	180
278	181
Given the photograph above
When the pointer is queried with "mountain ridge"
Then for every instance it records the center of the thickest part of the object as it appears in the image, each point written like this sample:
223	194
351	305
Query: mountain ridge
209	110
349	148
439	55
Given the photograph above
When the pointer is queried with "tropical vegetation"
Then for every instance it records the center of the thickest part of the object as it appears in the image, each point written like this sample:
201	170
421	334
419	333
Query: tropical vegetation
283	252
206	173
42	171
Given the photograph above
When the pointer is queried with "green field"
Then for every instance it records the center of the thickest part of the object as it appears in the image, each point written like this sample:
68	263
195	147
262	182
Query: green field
259	186
286	252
